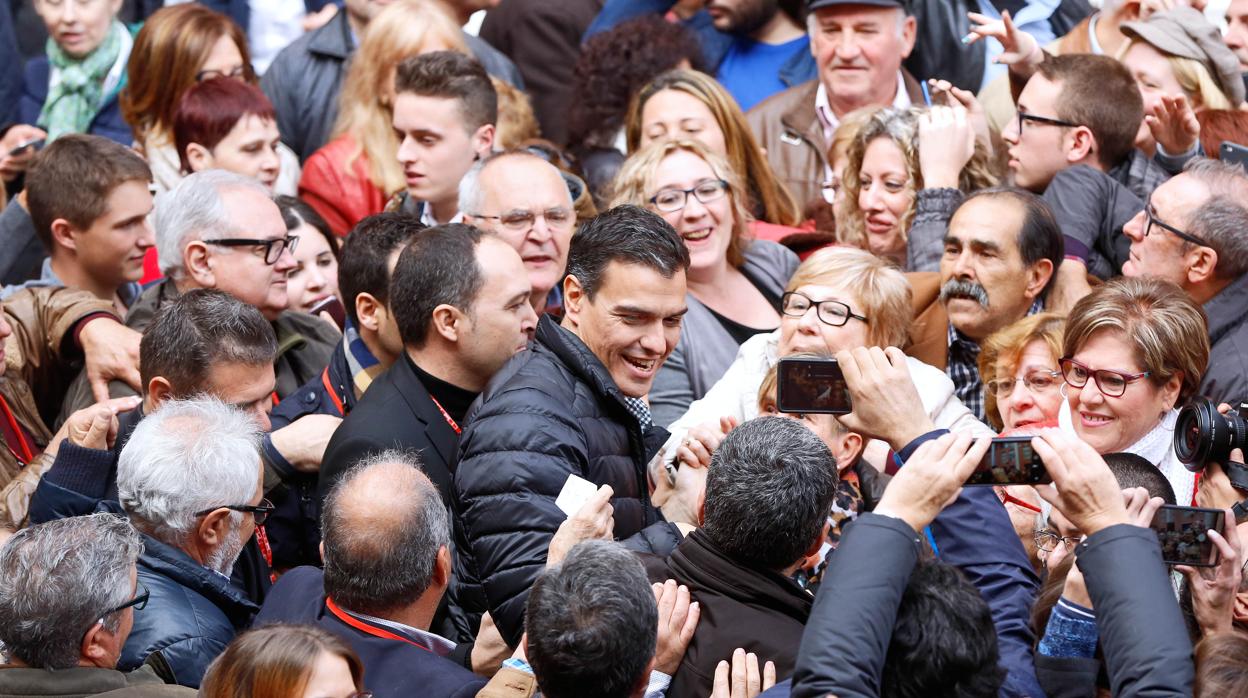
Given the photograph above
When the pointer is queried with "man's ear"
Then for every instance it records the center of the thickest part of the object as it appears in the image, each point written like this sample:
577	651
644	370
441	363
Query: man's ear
574	298
367	308
213	530
64	234
159	390
909	31
1201	264
447	321
1082	145
1239	611
851	450
1038	276
94	647
442	568
483	140
199	158
197	259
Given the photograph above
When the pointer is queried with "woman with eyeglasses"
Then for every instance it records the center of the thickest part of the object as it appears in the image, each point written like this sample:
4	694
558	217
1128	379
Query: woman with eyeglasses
178	47
1134	350
735	283
286	661
1018	365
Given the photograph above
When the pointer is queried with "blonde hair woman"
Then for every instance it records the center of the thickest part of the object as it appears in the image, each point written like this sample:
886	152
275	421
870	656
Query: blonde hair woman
735	283
355	174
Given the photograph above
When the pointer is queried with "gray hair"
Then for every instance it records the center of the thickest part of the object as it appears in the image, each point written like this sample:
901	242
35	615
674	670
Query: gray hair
382	526
472	199
187	456
1222	220
193	210
768	492
60	577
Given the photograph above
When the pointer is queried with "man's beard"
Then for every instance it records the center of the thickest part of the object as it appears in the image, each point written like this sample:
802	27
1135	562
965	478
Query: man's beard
749	16
223	558
958	288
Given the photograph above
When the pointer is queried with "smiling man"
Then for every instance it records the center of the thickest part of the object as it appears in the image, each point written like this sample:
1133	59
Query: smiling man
571	405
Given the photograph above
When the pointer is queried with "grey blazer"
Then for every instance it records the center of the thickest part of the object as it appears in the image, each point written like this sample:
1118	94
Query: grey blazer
705	349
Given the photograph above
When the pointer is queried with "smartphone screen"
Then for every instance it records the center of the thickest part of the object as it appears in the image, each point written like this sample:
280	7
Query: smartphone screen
333	306
1234	153
812	386
1184	534
1010	461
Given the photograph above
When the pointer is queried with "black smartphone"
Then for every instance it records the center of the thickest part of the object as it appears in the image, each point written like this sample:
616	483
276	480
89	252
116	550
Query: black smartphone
1010	461
812	386
1184	534
1234	153
334	307
36	144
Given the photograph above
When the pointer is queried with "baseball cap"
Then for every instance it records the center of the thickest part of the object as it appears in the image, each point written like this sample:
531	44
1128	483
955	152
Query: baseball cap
820	4
1185	32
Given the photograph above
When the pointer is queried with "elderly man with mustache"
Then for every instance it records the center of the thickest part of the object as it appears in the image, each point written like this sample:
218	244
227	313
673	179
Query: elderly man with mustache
1000	251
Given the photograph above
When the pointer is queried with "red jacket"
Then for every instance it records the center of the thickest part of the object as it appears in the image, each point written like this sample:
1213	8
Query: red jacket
342	196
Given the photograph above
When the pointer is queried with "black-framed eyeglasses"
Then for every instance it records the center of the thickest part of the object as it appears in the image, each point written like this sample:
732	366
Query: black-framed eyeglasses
1111	383
139	602
260	511
834	313
523	221
1047	540
672	200
1037	382
1150	219
272	248
1024	117
238	73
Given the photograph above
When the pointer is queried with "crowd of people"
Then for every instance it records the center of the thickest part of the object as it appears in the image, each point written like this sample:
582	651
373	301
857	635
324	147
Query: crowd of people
439	348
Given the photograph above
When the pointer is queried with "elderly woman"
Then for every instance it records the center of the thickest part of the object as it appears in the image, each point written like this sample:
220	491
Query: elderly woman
1018	365
839	298
904	168
74	89
735	283
1134	349
228	124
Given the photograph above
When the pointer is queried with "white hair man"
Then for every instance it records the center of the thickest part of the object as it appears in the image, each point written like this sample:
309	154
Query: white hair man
190	481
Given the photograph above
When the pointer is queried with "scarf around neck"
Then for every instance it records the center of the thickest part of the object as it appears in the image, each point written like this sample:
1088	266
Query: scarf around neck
76	90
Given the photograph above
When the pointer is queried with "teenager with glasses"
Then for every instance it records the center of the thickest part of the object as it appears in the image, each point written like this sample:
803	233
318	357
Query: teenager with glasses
1134	351
735	282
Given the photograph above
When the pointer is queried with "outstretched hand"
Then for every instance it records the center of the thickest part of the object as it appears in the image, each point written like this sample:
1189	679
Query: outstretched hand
946	144
594	520
1084	489
678	618
1213	588
1021	53
1174	125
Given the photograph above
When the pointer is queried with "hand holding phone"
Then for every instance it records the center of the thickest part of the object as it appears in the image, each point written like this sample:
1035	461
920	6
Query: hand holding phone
811	386
1010	460
335	309
1186	534
34	143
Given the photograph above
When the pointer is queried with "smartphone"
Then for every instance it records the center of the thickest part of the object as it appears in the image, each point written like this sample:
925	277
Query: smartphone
334	307
36	144
1234	153
812	386
1010	461
1184	534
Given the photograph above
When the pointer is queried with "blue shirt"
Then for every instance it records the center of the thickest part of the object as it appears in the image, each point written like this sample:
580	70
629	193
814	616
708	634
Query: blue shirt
750	70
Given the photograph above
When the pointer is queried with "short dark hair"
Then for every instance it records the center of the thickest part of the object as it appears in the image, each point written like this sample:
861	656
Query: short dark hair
1097	92
451	75
628	234
200	329
768	492
363	266
296	212
439	266
943	641
1040	236
592	623
210	109
73	177
1132	470
375	564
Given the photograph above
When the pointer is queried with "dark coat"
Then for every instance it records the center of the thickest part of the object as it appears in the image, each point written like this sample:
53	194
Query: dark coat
108	121
759	610
392	668
240	10
1091	207
552	411
10	69
79	682
191	615
21	252
1226	379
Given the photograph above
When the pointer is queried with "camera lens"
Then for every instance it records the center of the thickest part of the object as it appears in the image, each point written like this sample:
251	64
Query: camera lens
1201	434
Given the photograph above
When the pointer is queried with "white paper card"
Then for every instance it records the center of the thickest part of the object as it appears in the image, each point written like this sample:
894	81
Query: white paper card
576	491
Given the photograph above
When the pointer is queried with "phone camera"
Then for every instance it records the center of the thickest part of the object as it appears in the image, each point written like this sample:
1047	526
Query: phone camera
1202	435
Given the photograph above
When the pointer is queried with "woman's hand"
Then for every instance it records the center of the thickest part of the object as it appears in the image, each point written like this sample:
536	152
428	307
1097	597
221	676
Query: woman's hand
1174	125
946	144
1022	52
13	164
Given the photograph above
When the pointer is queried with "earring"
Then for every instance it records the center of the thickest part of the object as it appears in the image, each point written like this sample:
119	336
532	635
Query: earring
1061	390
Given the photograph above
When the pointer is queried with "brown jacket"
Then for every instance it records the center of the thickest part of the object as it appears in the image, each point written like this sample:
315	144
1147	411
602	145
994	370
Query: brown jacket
929	334
788	128
40	360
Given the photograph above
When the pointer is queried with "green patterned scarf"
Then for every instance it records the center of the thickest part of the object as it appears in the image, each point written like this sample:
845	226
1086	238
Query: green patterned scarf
76	92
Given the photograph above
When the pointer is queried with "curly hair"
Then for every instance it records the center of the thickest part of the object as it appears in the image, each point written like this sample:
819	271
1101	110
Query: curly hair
901	126
613	65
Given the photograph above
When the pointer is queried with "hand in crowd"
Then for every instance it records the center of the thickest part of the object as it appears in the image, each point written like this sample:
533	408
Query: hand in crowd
93	427
1213	588
315	20
1022	52
1174	125
13	164
742	679
111	351
932	478
1083	488
886	403
1140	507
678	619
593	520
1075	588
946	144
489	651
955	96
303	442
1216	490
1070	283
701	441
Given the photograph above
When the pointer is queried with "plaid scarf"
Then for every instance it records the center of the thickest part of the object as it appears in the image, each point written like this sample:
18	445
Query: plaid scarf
76	92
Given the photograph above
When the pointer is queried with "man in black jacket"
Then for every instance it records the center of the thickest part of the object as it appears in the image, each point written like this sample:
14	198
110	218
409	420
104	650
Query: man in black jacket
570	406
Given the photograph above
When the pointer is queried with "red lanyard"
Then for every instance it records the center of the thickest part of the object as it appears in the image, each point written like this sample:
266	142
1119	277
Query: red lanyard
27	455
333	395
365	627
445	415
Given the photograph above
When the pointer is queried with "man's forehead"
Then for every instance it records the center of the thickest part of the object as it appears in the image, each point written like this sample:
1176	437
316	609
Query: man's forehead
627	285
995	220
518	178
1179	195
849	13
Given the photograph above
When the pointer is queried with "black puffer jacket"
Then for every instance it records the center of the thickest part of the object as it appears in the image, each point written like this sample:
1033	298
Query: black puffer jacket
550	412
